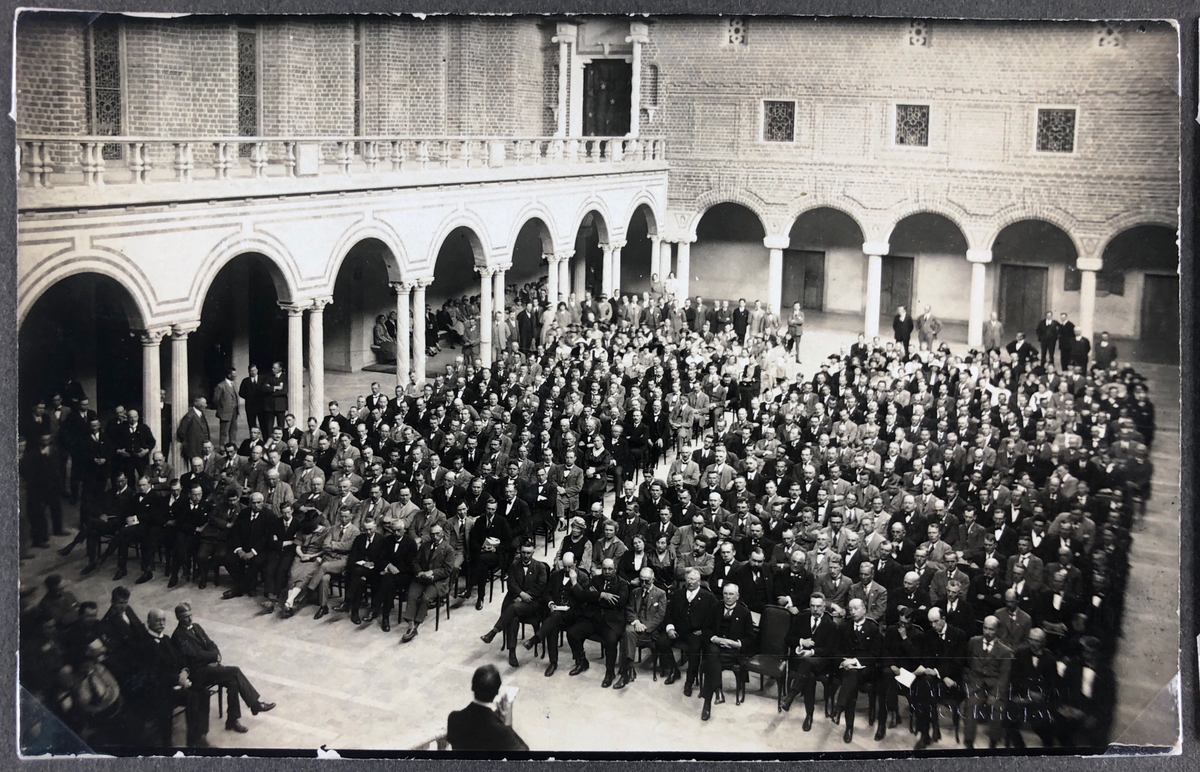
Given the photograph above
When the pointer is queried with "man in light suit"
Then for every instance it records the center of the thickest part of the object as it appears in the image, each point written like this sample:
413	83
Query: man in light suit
873	595
193	430
643	616
989	662
1014	623
225	402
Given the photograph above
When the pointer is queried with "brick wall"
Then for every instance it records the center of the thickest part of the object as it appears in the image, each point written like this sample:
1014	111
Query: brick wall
50	78
983	82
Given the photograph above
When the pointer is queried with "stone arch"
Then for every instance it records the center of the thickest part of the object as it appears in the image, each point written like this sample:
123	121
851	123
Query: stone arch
140	301
602	219
549	230
284	273
395	259
1129	220
653	217
476	230
956	218
798	210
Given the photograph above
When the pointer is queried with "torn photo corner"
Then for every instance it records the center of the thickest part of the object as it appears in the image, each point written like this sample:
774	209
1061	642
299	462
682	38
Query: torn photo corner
813	376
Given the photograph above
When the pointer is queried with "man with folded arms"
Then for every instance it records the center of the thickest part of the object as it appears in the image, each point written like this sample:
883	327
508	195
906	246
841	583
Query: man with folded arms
603	615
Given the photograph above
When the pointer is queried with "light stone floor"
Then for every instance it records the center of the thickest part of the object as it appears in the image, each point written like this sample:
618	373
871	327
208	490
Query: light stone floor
358	688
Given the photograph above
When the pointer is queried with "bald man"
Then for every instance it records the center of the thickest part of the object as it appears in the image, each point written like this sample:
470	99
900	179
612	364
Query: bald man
989	664
603	615
860	650
169	686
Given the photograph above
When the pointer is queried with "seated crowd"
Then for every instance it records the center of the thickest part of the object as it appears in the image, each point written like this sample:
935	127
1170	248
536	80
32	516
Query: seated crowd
951	530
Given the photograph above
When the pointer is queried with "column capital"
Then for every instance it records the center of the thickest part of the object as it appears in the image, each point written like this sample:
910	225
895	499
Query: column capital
613	245
152	336
777	242
1089	264
564	33
979	255
293	309
318	304
184	329
420	285
401	287
486	271
567	255
639	32
876	248
550	257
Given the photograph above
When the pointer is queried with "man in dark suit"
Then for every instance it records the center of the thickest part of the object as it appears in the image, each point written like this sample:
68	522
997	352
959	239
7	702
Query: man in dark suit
902	327
275	400
1033	679
1066	338
489	545
251	392
543	500
248	540
431	580
478	727
567	591
938	677
168	685
193	430
527	581
644	615
755	582
989	663
1088	699
134	442
812	644
363	566
1048	331
603	615
203	659
860	649
691	617
727	647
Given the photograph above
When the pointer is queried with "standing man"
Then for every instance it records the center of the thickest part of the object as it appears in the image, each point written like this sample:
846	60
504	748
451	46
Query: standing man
225	402
479	726
902	326
928	328
989	663
796	329
1048	332
1066	337
1081	352
251	392
993	334
275	399
193	431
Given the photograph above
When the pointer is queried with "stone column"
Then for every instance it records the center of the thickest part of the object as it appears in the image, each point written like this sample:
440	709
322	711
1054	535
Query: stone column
403	332
615	289
240	353
580	280
606	271
683	269
665	260
419	329
565	37
551	276
180	403
978	258
152	379
776	245
295	357
1087	267
639	33
316	361
874	250
486	316
655	241
564	275
498	299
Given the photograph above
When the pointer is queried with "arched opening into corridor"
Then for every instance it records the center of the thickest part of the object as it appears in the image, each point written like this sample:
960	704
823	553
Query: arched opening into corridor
86	328
453	297
1032	266
636	256
587	265
361	293
823	266
241	323
729	260
1137	293
926	266
532	244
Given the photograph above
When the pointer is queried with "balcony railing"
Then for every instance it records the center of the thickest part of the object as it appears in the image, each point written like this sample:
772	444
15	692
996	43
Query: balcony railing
49	161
